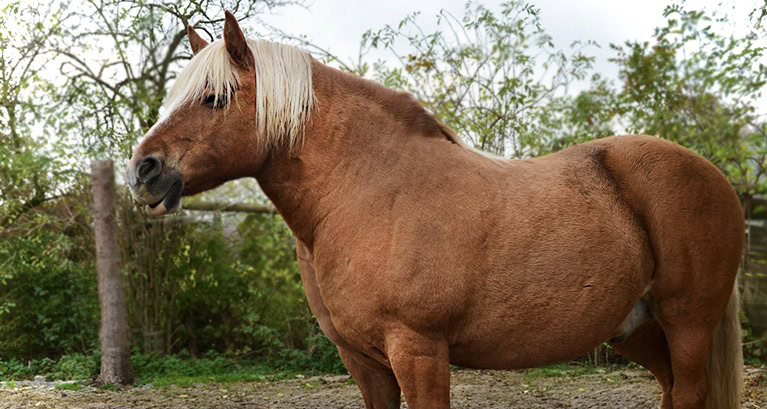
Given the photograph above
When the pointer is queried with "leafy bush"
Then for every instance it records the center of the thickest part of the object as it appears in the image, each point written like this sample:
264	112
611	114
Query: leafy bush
180	368
48	294
200	287
320	357
68	367
14	369
154	365
76	367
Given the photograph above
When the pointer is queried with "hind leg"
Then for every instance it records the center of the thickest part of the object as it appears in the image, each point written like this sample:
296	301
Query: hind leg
648	347
688	319
690	349
377	383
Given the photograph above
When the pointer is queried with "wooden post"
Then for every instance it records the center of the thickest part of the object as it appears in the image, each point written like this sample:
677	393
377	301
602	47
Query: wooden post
115	344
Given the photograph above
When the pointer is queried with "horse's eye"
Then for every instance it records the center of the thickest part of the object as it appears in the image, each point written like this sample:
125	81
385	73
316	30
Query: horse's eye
215	103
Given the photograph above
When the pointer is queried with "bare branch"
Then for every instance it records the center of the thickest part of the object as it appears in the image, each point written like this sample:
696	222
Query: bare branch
229	207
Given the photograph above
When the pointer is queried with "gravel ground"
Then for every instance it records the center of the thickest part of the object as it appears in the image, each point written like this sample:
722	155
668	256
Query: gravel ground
627	389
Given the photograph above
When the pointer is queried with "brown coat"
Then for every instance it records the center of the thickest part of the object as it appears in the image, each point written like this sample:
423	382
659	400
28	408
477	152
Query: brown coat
417	252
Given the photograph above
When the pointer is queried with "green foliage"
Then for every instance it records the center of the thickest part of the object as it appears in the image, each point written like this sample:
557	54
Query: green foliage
198	285
48	297
490	76
203	284
321	356
267	259
700	89
754	344
15	369
152	366
180	369
68	367
213	368
75	367
562	370
497	79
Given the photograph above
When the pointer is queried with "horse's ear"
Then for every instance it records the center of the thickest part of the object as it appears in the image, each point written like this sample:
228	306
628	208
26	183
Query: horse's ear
236	43
195	40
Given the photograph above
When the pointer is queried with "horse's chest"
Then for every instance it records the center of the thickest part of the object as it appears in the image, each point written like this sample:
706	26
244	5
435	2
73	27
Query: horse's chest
338	311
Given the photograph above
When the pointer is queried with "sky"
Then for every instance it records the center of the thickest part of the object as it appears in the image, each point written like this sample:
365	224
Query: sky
338	25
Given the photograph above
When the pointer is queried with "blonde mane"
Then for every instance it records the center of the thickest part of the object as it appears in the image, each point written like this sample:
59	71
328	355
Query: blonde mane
284	92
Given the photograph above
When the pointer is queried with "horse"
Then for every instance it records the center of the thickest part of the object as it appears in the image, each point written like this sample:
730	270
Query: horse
417	251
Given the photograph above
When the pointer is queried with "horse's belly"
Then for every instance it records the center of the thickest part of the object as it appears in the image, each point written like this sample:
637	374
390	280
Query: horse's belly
522	350
540	329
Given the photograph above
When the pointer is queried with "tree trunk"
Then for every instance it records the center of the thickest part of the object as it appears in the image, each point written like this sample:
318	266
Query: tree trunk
115	345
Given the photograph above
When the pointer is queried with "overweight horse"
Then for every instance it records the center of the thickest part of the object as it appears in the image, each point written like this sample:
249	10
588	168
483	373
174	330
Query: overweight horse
417	252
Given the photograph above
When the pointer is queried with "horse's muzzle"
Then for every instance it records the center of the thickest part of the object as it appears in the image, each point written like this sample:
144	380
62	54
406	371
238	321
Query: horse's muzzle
154	185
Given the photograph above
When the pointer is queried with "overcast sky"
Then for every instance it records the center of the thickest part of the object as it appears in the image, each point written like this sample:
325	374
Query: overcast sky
339	24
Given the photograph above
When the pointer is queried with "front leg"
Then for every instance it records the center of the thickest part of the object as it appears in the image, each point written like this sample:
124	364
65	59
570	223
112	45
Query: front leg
376	382
422	367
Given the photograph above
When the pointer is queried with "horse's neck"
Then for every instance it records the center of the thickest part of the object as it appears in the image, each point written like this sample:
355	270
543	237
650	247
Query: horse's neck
353	132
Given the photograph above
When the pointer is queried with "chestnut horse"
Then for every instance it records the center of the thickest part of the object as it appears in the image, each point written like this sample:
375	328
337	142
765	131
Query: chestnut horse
417	251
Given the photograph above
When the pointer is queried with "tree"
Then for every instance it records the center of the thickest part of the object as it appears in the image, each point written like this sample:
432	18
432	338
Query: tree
29	173
700	89
134	51
100	106
490	76
119	98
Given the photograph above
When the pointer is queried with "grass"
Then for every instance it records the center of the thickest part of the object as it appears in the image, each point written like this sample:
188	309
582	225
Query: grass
182	370
162	370
563	370
255	375
108	387
172	370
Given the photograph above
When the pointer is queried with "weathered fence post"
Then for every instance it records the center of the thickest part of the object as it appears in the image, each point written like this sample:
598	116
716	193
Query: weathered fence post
115	345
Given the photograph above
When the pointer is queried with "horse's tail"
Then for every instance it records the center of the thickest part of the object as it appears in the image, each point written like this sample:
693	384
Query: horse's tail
725	363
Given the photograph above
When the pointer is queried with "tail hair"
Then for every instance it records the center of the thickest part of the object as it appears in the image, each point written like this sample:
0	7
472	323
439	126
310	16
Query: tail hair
725	363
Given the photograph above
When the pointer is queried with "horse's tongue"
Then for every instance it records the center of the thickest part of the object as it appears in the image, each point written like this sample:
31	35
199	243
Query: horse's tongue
158	210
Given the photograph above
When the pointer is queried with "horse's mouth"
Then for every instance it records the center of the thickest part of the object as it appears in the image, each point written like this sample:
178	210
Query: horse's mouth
152	206
170	203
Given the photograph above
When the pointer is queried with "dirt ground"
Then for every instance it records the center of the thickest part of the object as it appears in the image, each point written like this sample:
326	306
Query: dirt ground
470	389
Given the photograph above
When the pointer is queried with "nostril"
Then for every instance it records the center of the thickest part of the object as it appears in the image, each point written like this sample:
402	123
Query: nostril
149	168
